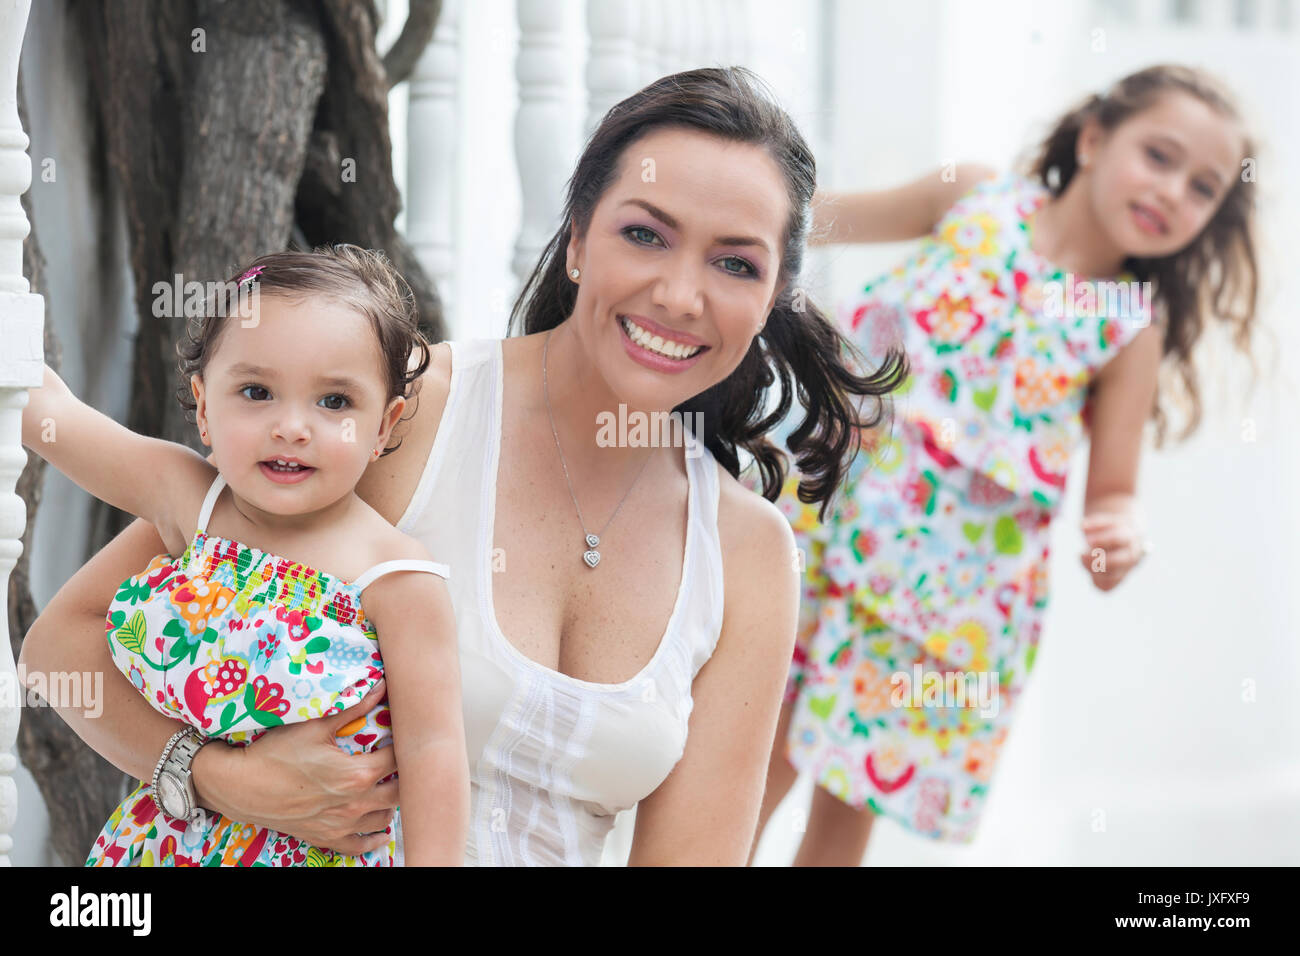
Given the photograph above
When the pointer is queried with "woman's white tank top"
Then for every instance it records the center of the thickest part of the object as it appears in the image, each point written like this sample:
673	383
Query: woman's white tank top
552	758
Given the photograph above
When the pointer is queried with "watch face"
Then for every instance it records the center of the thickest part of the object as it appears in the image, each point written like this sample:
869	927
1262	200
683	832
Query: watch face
172	795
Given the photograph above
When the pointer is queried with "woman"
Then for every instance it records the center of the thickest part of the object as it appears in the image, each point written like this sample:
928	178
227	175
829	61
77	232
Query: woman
670	286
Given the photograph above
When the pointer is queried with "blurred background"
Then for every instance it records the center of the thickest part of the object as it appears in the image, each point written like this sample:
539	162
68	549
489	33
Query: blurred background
1163	722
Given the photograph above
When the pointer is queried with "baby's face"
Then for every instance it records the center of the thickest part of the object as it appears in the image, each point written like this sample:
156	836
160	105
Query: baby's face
303	381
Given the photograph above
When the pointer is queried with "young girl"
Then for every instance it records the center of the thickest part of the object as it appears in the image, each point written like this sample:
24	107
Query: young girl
298	374
1038	304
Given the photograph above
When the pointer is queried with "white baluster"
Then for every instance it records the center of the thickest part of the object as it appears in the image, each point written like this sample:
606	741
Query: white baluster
712	19
1154	13
648	31
433	135
21	365
1283	15
1215	16
671	35
736	27
544	127
697	52
612	73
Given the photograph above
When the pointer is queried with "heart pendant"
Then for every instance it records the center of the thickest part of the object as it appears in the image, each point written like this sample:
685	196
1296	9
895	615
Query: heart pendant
591	557
592	541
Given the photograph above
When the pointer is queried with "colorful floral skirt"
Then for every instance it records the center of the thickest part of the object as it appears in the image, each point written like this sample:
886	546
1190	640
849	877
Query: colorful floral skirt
923	760
919	622
137	834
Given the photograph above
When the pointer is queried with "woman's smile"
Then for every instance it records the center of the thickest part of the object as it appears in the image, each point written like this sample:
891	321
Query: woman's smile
659	348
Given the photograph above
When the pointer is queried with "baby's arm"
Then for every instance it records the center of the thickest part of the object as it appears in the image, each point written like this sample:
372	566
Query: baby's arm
891	215
147	477
412	614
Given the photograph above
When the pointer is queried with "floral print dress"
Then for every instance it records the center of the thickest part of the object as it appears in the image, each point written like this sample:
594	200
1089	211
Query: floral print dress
924	590
234	640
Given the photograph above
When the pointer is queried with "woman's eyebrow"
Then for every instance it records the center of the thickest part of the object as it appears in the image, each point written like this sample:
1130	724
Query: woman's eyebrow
672	223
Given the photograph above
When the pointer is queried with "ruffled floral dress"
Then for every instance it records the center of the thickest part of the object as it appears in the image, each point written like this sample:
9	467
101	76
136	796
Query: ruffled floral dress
925	588
234	641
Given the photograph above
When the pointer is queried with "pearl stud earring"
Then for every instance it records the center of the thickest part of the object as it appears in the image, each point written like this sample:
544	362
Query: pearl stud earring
573	274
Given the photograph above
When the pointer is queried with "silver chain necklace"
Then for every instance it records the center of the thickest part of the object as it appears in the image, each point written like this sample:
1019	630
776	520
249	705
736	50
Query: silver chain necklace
592	541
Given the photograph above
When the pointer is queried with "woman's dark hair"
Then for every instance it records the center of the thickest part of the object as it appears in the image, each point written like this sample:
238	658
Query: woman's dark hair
1216	276
798	346
362	279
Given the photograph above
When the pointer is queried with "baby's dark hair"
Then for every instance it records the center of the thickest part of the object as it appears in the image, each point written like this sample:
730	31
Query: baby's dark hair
362	279
1216	276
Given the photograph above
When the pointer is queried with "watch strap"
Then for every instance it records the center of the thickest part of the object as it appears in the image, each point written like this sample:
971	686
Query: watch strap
171	744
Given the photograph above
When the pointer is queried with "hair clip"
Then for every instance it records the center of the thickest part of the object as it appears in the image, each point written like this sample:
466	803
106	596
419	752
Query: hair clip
250	275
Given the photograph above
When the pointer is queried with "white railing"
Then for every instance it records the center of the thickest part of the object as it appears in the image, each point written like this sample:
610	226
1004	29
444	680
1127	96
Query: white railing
21	361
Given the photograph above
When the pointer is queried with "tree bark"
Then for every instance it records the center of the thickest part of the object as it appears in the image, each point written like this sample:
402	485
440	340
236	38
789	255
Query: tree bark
417	31
347	193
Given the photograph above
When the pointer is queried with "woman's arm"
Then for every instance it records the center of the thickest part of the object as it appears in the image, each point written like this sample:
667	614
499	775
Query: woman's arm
890	215
147	477
1123	393
413	616
293	779
706	812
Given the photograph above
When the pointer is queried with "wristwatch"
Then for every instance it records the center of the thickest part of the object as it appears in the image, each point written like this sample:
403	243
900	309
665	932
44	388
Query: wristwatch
173	786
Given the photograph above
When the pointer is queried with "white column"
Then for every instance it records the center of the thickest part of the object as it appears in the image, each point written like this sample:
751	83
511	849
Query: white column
711	45
612	73
21	362
737	39
432	173
648	30
672	36
544	127
698	52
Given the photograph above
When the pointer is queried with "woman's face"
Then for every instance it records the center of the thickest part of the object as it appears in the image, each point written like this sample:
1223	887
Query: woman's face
1157	179
678	265
302	380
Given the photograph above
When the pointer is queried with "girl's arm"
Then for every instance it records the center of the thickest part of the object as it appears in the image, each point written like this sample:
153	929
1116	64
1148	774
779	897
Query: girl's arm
1123	394
706	812
412	614
293	778
889	215
147	477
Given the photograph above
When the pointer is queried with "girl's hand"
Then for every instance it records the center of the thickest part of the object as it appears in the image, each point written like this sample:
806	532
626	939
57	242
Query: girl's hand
1116	542
295	779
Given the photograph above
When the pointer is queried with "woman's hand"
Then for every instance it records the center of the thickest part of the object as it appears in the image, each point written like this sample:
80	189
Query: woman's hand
1116	543
296	779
